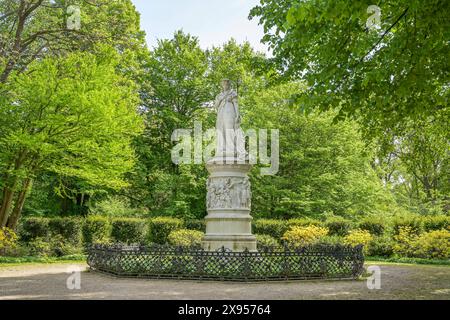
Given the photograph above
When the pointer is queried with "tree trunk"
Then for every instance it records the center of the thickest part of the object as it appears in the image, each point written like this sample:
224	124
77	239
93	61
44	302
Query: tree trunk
8	195
17	211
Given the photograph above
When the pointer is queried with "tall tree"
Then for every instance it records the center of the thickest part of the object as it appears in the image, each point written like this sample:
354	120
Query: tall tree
73	116
383	75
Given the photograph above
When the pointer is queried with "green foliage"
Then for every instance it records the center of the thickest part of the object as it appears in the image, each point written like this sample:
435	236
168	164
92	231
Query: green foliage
266	240
300	236
383	76
434	245
114	206
273	228
338	226
68	229
381	246
195	224
96	229
375	226
413	224
303	222
184	237
128	230
432	223
39	247
8	240
159	228
430	245
32	228
324	167
358	237
60	246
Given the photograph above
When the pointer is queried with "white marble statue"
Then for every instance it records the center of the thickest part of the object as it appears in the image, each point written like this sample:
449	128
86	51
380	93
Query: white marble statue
230	138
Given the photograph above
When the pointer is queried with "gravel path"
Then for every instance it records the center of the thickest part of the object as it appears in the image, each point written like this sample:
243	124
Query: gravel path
49	282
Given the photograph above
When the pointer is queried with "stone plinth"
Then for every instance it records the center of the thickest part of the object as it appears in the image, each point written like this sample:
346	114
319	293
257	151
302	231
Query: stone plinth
228	223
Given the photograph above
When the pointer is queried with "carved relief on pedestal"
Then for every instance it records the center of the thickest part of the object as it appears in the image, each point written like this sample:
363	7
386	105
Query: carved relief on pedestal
227	193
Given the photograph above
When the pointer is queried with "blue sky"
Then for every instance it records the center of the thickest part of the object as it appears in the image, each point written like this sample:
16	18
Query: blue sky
212	21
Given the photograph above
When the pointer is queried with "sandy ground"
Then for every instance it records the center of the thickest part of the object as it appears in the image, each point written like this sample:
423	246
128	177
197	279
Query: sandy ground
50	282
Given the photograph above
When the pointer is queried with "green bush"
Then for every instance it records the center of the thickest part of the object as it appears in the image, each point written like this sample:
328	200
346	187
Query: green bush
300	236
434	245
414	224
195	224
381	247
39	247
32	228
338	226
266	240
96	229
375	227
128	230
273	228
159	228
60	246
433	223
303	223
184	237
331	240
68	228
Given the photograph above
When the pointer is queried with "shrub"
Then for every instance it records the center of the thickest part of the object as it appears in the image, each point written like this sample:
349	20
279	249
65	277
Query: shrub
32	228
96	229
303	223
381	247
68	228
266	240
405	241
8	240
299	236
338	226
39	247
273	228
184	237
375	227
434	245
60	246
331	240
357	237
436	223
414	224
195	224
159	228
128	230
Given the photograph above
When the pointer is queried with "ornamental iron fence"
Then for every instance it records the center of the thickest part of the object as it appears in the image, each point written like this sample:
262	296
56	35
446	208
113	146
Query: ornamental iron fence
268	263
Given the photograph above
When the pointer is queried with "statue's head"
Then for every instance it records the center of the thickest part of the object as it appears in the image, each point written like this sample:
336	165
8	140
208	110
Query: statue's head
226	84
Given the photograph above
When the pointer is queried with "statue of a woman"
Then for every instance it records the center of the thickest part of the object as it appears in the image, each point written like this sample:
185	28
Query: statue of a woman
230	140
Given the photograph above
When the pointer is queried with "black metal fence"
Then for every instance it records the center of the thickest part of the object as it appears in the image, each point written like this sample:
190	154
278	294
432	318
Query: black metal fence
269	263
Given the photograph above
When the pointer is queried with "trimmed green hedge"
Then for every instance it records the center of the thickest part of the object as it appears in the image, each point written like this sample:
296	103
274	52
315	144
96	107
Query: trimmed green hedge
376	228
32	228
338	226
273	228
67	228
96	229
159	228
128	230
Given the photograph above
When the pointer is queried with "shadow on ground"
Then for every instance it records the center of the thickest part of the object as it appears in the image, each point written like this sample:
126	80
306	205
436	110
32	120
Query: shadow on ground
49	282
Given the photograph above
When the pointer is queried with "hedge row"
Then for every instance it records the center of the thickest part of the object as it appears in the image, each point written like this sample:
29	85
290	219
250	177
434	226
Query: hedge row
156	230
97	229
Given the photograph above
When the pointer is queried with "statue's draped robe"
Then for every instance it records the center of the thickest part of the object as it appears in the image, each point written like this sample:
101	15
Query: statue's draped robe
230	139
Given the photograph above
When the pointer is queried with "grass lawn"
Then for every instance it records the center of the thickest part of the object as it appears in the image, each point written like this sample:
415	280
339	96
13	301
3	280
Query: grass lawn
15	261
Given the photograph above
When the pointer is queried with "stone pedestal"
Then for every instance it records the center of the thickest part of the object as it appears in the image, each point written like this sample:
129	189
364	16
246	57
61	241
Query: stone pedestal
228	223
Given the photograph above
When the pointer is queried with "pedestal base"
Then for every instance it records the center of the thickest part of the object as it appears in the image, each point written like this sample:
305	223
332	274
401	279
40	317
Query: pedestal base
228	223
